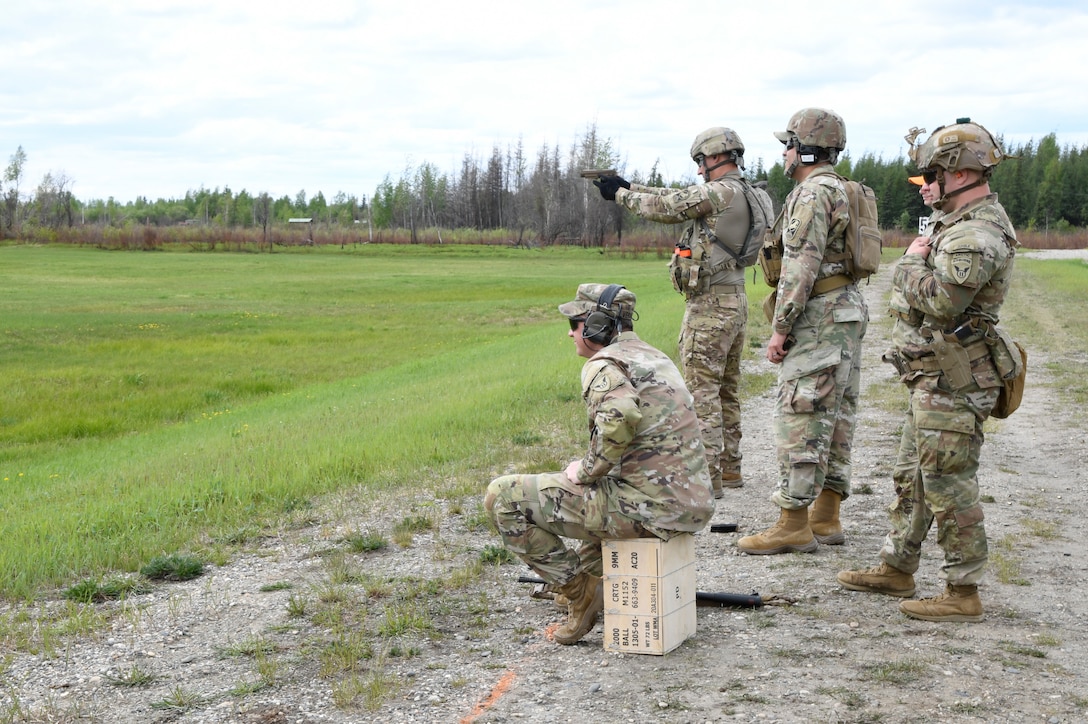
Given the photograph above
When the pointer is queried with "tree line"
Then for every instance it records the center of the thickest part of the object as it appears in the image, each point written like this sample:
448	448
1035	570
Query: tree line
535	198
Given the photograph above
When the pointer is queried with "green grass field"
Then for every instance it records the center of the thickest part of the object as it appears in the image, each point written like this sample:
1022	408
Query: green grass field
166	402
160	402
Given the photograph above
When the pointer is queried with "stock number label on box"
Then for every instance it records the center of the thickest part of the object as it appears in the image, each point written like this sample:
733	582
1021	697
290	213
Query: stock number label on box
649	595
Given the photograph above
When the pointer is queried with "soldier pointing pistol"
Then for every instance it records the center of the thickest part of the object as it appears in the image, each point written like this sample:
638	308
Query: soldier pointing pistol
708	269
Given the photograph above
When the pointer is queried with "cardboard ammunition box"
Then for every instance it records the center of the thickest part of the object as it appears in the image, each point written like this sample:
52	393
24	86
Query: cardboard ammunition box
647	556
636	634
649	595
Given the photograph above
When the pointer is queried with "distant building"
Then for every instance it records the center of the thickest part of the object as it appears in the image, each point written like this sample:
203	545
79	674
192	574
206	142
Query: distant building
305	220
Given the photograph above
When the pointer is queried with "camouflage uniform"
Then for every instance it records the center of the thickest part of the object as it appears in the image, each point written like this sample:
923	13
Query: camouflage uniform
964	278
643	475
819	380
716	314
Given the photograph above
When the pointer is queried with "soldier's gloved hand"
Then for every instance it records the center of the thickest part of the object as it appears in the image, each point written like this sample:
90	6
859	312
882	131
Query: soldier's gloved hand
609	185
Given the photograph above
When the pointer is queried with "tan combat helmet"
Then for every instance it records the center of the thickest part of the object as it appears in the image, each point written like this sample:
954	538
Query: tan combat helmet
963	144
718	140
819	133
819	127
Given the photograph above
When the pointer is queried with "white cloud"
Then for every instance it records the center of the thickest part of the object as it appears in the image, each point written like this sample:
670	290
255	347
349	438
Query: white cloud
154	99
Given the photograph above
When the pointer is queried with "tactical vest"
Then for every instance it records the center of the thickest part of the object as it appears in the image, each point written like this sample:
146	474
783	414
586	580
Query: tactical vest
732	245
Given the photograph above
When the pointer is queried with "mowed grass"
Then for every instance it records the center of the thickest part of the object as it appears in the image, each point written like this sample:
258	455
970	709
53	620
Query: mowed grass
158	403
154	403
1046	308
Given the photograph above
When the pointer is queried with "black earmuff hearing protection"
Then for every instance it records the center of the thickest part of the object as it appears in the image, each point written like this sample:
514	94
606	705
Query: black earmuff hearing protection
600	325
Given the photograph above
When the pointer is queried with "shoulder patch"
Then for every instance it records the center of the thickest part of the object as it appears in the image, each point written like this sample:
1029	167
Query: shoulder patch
602	382
599	376
791	230
962	266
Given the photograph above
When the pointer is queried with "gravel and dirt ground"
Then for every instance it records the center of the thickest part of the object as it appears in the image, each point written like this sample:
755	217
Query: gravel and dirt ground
240	645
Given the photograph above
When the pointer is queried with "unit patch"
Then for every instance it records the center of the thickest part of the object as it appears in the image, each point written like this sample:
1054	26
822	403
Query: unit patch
791	230
604	382
961	266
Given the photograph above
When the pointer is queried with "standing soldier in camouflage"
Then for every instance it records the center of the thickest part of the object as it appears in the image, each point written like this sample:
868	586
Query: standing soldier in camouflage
643	475
947	291
717	216
817	326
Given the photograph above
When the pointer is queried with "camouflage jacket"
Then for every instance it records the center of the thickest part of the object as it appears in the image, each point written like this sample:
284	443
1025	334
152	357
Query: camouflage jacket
813	225
966	275
718	206
645	448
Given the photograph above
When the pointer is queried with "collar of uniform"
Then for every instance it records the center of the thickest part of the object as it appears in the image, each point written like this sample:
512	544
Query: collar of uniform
822	169
965	212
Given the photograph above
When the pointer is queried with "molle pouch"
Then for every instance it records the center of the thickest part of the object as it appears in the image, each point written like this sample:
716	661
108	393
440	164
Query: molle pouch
691	283
954	362
676	270
770	259
1012	392
769	304
684	273
1005	354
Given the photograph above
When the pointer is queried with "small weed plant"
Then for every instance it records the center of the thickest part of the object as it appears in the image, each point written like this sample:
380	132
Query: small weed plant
173	568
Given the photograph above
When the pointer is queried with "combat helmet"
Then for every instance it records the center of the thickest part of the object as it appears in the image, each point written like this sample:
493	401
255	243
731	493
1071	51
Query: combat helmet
818	127
962	145
718	140
959	146
819	133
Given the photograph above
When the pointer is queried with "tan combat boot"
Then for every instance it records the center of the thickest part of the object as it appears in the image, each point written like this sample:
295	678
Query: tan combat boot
732	480
823	518
586	595
957	603
882	579
790	533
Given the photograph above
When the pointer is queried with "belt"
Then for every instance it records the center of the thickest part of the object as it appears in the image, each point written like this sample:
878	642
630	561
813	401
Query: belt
726	289
975	351
830	284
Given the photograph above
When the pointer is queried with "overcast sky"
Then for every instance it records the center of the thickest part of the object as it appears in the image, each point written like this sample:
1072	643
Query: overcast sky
153	98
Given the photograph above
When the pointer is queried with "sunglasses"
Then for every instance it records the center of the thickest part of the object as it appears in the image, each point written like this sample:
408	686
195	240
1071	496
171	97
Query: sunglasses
929	175
793	143
700	159
575	323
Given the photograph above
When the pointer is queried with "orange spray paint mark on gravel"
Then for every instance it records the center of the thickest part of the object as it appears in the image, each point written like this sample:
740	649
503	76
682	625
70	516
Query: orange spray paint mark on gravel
500	688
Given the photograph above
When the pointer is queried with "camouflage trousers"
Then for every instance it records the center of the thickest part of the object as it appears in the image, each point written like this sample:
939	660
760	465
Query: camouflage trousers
533	513
815	411
710	347
936	478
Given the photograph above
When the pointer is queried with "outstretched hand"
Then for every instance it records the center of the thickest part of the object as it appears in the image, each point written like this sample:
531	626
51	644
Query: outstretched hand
609	185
